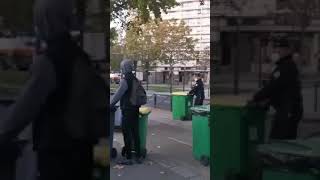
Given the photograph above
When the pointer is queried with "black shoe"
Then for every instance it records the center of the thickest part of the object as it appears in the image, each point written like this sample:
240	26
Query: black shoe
128	162
139	160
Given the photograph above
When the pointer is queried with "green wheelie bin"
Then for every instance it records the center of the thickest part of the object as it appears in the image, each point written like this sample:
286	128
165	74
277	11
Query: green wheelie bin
143	130
235	132
291	160
181	103
201	133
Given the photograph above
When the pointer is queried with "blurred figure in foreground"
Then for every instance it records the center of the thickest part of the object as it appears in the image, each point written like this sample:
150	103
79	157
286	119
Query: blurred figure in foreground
65	99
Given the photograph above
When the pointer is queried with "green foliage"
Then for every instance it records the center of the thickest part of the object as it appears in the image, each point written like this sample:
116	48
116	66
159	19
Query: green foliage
116	56
143	7
113	36
159	41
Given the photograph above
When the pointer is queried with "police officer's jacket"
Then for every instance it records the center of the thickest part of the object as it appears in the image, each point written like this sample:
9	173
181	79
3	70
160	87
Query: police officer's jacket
284	85
198	89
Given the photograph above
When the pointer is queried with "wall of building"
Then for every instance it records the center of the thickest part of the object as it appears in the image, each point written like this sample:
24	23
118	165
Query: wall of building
196	16
252	51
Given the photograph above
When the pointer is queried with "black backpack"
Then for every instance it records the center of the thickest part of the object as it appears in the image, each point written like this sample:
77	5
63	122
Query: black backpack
138	95
86	106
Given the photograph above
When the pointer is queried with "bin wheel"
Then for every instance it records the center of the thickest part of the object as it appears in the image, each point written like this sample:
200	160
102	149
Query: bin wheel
144	153
204	160
114	153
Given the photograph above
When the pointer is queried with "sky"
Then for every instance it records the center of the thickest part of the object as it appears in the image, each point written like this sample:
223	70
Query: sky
116	23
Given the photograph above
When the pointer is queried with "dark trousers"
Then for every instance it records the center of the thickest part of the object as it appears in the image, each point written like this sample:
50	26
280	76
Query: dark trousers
286	122
198	101
130	130
66	164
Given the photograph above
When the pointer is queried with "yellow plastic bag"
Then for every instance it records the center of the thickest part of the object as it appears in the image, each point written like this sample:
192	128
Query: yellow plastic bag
144	110
180	93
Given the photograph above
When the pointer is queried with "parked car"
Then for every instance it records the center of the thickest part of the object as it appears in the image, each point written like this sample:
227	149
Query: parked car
115	78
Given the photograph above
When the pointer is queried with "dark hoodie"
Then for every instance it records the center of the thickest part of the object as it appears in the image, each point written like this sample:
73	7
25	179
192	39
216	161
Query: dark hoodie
53	25
123	92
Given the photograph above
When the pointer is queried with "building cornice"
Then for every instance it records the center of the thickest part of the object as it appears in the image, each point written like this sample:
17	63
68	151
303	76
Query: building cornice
268	28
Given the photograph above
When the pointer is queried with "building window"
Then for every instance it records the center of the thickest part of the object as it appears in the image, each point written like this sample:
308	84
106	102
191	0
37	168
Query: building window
232	22
282	4
250	21
284	20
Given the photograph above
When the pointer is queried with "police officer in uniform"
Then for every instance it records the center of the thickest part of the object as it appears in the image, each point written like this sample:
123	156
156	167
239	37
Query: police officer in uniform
283	93
198	91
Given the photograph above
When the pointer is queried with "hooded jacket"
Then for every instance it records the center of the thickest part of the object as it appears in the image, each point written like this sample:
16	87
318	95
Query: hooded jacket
53	25
123	92
52	18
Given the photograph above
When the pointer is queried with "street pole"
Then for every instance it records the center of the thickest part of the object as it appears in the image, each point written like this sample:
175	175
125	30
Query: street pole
236	61
147	70
184	76
147	80
260	65
171	79
135	67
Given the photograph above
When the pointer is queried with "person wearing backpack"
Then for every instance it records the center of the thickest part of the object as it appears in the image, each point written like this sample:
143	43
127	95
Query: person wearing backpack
65	100
131	96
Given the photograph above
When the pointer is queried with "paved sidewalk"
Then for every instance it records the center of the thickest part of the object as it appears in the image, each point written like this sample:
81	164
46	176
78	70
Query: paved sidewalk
169	146
148	170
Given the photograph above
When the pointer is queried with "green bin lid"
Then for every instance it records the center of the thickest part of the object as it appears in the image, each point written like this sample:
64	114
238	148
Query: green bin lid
203	109
302	147
234	102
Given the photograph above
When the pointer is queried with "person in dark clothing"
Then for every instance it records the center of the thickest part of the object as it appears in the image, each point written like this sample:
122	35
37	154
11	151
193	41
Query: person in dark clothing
41	103
198	90
130	113
283	93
